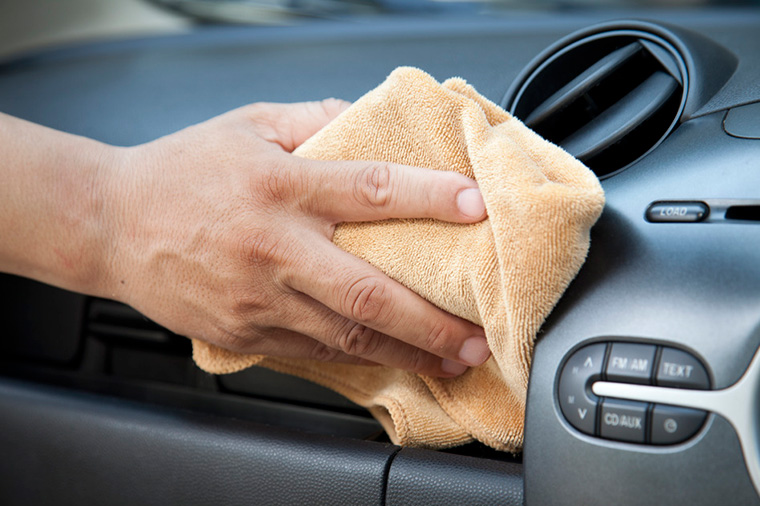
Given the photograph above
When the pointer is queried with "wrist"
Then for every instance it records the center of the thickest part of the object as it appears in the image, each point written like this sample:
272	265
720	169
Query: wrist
82	232
99	210
55	206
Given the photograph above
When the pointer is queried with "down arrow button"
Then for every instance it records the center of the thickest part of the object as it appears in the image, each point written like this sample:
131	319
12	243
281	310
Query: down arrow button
578	404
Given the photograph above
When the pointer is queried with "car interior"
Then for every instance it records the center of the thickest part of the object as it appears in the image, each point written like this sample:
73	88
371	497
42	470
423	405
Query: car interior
645	380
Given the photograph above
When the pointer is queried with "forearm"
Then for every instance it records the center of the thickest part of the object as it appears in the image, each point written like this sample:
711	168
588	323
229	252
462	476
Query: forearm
51	205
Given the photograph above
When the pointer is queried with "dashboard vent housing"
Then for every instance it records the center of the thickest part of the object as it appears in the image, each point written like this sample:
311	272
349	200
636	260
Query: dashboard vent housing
608	98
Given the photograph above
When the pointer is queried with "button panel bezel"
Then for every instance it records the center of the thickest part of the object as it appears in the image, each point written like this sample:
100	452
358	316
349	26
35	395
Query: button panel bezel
738	404
602	379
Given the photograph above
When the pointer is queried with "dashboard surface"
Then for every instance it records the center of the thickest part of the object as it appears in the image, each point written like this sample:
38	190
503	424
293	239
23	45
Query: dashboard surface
688	286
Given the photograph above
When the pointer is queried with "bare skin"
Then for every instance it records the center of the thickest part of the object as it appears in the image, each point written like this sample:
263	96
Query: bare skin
218	233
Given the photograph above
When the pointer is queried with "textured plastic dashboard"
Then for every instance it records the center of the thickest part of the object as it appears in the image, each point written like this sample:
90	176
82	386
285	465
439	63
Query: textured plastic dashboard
694	286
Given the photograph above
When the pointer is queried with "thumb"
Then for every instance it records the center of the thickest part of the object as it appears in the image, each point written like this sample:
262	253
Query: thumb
289	125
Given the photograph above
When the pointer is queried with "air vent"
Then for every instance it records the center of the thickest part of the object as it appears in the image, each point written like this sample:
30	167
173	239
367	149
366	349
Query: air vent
607	99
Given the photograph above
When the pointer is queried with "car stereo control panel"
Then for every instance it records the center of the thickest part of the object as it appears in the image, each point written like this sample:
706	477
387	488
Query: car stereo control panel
624	420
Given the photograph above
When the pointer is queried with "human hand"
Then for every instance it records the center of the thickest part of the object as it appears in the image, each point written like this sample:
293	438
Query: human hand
220	234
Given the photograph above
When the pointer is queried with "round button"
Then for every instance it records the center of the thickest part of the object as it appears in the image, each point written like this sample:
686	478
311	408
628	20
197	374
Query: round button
672	425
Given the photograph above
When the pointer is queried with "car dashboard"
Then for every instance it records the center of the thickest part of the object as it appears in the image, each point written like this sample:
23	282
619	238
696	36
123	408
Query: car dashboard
644	380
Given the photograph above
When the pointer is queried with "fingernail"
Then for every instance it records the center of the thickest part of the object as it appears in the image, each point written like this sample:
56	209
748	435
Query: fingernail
452	368
474	351
470	203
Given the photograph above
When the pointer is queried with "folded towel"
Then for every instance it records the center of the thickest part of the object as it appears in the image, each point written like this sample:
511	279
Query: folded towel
505	273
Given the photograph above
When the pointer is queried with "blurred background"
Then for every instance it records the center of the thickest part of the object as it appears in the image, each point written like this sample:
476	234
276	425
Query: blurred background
29	25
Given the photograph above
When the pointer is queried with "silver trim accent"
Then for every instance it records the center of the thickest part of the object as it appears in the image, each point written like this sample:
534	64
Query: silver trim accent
737	404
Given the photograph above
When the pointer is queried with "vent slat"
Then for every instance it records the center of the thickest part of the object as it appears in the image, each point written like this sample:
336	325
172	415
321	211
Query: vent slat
622	118
580	85
664	59
608	98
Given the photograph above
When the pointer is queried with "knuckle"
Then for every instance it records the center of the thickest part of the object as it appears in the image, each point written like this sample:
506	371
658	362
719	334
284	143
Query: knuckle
249	302
358	340
262	249
323	353
438	338
273	253
254	110
270	186
332	105
260	113
275	261
276	185
261	117
441	190
255	306
374	185
365	300
418	362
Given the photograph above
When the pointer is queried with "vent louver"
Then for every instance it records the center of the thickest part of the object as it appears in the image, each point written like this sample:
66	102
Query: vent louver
607	99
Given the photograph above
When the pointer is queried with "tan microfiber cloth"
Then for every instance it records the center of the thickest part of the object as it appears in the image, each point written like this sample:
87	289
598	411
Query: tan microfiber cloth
505	273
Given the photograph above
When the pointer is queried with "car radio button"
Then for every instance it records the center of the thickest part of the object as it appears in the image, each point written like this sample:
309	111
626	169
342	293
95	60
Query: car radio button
681	370
623	420
671	425
630	363
577	402
677	212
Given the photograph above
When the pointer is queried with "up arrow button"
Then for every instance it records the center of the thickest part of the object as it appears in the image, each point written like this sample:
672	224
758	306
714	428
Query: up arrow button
577	402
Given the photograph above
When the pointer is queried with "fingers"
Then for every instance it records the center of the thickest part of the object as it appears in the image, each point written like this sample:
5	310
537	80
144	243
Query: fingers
347	338
287	343
365	296
365	314
367	191
360	190
317	333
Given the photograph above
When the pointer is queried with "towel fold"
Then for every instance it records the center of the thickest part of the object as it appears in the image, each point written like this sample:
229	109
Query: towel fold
505	273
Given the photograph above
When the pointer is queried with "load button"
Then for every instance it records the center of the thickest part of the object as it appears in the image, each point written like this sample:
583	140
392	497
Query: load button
677	212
